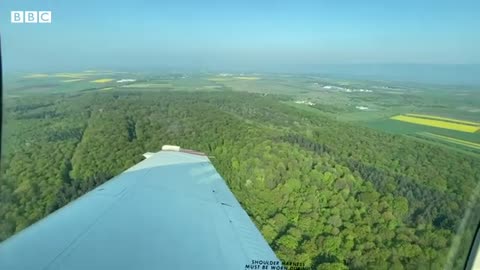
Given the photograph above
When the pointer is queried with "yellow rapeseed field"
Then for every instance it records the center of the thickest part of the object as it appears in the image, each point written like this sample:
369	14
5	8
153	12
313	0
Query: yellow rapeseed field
102	80
443	118
69	75
436	123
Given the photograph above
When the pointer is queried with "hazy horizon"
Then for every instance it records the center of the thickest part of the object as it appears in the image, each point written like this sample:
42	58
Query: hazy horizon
436	38
440	74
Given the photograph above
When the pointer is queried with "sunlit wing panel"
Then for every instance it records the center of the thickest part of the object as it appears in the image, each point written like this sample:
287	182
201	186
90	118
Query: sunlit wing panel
170	211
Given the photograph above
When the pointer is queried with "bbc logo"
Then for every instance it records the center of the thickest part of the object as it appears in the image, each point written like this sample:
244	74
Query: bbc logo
31	17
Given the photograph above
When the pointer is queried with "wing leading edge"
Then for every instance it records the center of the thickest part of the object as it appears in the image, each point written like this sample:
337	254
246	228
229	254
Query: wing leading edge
170	211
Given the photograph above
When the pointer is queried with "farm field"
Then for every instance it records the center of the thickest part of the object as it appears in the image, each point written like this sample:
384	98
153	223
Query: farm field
105	80
452	140
443	118
437	123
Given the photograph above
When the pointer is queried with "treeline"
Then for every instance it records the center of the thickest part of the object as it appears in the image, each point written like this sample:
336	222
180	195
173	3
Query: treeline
326	193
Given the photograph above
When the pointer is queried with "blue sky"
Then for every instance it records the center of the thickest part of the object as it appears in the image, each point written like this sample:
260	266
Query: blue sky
239	34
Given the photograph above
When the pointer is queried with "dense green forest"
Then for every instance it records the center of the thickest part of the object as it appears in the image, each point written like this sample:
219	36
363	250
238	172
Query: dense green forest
328	193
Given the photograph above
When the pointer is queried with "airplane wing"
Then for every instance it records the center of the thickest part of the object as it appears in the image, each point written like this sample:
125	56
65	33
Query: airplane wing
170	211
